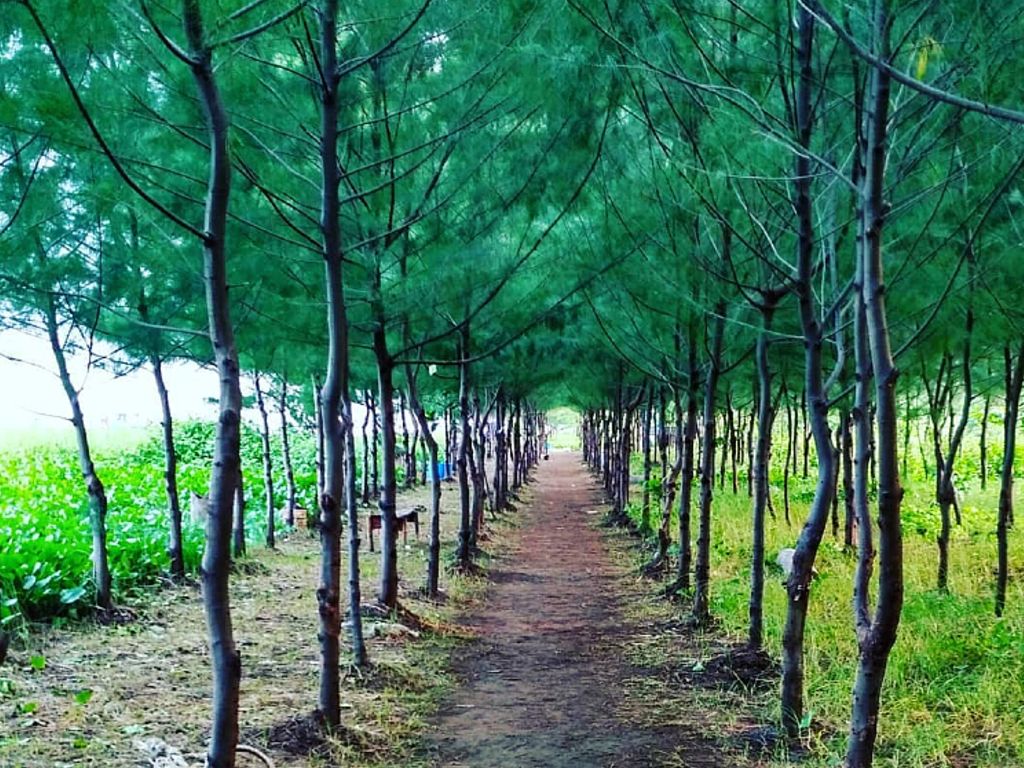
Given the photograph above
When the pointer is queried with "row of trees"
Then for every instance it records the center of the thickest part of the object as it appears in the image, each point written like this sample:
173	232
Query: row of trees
817	220
464	204
389	169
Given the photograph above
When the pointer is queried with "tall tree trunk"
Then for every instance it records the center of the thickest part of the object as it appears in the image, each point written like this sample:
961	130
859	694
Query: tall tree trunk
478	470
947	492
377	414
434	545
268	463
286	455
702	571
806	432
1014	375
790	461
335	403
499	451
518	476
388	592
226	477
405	437
686	483
849	509
751	422
983	443
365	490
645	509
799	581
762	455
876	640
94	486
465	550
174	543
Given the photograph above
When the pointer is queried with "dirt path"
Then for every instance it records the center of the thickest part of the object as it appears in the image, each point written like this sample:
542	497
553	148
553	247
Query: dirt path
543	684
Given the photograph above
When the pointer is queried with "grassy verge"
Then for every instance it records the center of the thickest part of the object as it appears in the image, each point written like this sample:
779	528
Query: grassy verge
954	692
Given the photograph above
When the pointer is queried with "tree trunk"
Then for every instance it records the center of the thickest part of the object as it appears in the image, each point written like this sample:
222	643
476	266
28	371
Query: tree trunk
702	571
226	477
645	509
686	483
268	464
365	491
947	493
238	519
94	486
465	550
388	593
875	642
850	512
762	455
434	545
174	544
750	451
335	405
499	451
798	583
791	425
319	411
983	443
286	454
377	414
1013	379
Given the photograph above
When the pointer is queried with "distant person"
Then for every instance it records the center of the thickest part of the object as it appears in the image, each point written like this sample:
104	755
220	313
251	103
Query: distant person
547	449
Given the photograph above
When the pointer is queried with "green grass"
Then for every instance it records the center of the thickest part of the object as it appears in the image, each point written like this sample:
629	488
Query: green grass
954	691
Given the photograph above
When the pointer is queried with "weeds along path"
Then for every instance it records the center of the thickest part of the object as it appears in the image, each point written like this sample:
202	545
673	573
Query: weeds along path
543	684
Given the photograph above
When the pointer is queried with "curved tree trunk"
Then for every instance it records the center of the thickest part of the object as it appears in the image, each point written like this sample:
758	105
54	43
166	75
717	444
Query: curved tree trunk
434	545
174	544
226	477
946	491
94	486
799	581
876	640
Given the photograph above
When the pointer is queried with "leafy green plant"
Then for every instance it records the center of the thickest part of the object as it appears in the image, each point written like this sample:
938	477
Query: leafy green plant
44	533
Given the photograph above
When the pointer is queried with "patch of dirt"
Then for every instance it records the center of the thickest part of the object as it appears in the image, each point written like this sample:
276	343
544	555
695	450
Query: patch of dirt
738	667
299	736
543	685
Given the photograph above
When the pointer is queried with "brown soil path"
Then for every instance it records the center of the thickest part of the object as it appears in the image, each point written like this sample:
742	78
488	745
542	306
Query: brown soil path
543	683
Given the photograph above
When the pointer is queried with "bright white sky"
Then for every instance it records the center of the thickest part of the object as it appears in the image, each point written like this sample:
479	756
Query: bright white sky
31	394
33	404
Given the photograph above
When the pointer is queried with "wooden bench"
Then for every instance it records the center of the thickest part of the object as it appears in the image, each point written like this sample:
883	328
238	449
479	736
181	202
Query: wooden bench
402	518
